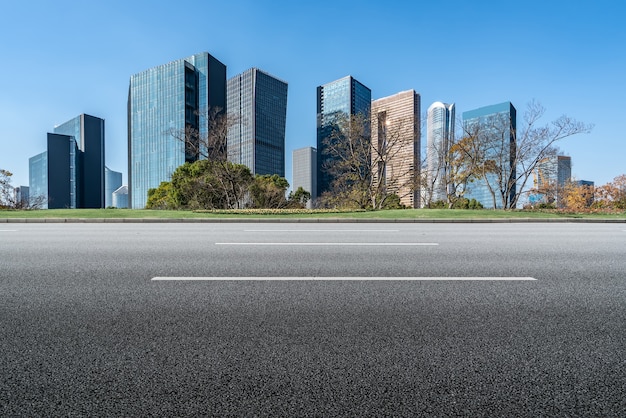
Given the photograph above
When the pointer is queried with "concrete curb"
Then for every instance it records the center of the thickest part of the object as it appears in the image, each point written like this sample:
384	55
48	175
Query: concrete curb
304	220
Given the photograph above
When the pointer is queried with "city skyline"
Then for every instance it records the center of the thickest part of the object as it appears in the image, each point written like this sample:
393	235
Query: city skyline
567	58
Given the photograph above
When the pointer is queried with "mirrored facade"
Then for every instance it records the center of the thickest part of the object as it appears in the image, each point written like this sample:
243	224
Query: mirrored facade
257	104
162	101
338	99
496	125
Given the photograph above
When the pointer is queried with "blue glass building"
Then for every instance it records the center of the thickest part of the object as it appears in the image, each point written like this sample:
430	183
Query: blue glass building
257	103
162	100
345	97
494	125
70	174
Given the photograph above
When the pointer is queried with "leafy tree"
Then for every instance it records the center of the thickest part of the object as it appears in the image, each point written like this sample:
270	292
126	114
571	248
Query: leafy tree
161	197
613	194
577	197
268	191
203	184
299	198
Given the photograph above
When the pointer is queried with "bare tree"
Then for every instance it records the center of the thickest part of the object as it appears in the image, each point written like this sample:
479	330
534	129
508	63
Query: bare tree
7	198
504	158
348	162
395	161
208	141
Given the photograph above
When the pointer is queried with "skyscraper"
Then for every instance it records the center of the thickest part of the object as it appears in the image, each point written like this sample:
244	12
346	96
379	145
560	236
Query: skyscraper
345	97
395	128
70	173
88	133
166	99
495	126
304	167
257	104
440	136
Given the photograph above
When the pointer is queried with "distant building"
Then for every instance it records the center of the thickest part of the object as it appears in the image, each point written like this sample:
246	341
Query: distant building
496	124
112	182
165	99
395	124
345	97
70	173
22	196
88	133
549	179
38	179
120	198
440	136
257	102
304	171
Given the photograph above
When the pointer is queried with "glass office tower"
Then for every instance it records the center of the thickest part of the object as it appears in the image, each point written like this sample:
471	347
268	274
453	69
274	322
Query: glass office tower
495	124
86	169
440	136
257	104
38	179
164	100
341	98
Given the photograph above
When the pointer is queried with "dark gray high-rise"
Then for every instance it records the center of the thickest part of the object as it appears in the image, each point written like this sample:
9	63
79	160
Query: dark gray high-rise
70	173
257	103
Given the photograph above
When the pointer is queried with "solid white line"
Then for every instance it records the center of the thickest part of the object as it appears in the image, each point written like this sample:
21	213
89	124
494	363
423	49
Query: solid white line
8	230
344	278
291	244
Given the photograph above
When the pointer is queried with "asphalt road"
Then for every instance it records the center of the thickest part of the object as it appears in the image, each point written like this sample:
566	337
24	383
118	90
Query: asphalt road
86	331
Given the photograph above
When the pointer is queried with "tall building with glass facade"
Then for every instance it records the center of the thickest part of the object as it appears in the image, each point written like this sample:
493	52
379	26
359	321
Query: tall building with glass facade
70	174
88	175
440	136
112	182
396	150
38	179
495	125
164	100
304	171
345	97
257	104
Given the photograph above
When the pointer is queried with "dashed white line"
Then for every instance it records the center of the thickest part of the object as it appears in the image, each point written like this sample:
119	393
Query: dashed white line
314	278
321	230
363	244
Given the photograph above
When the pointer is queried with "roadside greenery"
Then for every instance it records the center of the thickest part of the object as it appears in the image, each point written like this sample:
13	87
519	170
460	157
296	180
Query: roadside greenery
396	214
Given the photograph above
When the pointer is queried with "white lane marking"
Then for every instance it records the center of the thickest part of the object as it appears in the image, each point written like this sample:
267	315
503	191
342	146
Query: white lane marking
343	278
321	230
291	244
8	230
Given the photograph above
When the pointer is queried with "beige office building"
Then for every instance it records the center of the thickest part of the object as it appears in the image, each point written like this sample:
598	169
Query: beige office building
396	146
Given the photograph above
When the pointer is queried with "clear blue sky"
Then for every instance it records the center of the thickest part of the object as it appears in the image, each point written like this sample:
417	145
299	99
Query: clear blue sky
62	58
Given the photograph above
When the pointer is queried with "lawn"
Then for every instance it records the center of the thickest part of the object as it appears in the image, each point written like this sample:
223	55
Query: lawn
406	214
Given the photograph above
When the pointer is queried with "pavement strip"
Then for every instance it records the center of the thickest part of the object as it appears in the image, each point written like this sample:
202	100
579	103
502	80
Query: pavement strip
314	278
366	244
